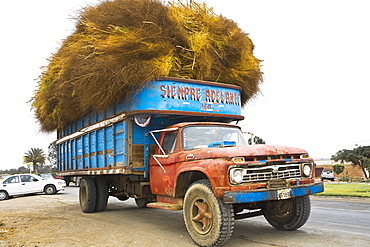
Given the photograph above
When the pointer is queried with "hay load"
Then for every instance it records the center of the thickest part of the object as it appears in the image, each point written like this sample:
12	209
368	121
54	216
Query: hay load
120	45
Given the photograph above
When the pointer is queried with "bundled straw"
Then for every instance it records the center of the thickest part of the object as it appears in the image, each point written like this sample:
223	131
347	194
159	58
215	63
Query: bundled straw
120	45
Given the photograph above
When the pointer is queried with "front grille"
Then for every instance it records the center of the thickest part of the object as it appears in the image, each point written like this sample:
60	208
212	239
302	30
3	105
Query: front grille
271	172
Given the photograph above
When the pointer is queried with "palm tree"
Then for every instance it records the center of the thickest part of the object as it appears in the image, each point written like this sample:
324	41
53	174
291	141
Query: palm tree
35	156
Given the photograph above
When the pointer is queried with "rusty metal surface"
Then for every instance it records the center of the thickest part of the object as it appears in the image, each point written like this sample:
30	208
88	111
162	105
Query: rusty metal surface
215	162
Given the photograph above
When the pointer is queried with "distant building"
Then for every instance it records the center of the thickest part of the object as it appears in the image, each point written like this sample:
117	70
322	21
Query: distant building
355	172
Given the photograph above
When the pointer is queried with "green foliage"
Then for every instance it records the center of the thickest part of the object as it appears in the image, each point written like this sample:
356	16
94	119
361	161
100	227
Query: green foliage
24	169
35	156
21	169
338	169
120	45
346	189
256	140
52	154
359	156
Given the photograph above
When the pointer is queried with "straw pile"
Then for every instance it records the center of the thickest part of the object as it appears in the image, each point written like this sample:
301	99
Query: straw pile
120	45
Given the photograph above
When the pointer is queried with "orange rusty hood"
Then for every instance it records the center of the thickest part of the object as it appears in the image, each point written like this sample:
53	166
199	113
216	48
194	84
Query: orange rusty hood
243	151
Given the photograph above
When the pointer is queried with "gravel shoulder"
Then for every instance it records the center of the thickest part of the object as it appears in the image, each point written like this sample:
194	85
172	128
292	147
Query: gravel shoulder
56	220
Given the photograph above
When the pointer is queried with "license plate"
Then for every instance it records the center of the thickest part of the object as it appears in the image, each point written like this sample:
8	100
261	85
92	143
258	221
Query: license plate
284	194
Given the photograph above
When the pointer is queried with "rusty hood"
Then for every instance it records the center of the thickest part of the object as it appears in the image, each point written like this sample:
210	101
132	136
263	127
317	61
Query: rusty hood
242	151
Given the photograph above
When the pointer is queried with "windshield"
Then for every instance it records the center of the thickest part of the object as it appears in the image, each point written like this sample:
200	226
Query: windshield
202	136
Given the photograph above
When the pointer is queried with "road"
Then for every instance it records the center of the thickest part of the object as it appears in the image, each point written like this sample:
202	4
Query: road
56	220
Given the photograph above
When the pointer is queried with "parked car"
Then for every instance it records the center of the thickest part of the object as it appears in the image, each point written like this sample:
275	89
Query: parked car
47	176
3	176
327	174
21	184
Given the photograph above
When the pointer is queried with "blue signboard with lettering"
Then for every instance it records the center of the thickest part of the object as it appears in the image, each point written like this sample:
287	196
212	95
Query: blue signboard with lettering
187	96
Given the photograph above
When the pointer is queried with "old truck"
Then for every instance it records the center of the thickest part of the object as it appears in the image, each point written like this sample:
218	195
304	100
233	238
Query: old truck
171	145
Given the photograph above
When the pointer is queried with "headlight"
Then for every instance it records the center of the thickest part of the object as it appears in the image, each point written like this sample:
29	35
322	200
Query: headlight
236	176
307	170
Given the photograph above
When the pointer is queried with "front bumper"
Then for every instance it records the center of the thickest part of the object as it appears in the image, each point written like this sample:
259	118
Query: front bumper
233	197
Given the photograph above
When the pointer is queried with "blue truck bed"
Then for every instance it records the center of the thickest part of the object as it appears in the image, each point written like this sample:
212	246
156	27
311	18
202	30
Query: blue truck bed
112	141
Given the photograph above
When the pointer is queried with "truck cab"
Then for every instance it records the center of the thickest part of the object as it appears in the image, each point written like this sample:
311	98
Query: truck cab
219	152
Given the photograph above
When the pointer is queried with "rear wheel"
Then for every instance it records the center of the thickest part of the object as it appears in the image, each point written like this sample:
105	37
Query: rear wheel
88	195
208	220
102	194
288	214
3	195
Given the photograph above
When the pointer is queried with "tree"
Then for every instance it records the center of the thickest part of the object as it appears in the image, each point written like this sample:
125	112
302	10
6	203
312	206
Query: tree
359	156
52	154
35	156
256	140
338	169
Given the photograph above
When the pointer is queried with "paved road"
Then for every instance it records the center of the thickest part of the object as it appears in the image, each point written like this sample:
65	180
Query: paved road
337	222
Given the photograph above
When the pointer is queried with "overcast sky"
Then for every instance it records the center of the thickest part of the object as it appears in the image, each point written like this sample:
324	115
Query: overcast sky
315	61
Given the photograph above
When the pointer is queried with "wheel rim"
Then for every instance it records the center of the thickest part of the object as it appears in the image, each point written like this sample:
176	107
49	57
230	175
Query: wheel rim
2	195
282	209
201	216
49	190
83	195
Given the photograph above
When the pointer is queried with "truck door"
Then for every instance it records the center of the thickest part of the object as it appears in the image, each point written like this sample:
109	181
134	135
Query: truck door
30	184
12	185
163	165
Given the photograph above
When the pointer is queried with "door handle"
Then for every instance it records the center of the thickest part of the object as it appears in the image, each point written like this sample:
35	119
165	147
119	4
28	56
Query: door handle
189	157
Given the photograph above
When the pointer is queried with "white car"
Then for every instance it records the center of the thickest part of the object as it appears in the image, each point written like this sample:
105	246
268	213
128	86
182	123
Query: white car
20	184
327	174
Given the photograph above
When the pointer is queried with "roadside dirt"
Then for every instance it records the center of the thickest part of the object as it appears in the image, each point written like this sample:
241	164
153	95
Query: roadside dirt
37	221
56	220
48	221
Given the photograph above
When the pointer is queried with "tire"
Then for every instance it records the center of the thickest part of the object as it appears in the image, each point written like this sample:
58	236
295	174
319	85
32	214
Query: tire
208	220
4	195
142	202
50	189
288	214
88	195
102	194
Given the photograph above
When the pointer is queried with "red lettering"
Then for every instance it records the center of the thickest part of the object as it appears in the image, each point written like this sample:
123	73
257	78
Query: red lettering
198	95
173	91
164	90
192	93
208	95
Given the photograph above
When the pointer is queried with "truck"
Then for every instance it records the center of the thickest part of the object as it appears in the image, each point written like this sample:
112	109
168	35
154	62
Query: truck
175	144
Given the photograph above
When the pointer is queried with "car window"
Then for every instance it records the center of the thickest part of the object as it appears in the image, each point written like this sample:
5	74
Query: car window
169	142
12	180
203	135
26	178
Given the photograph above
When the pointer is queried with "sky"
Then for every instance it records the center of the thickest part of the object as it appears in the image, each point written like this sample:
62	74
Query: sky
315	61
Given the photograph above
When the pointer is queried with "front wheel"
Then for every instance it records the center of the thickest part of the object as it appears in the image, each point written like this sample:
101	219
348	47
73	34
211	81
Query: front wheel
208	220
288	214
50	190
